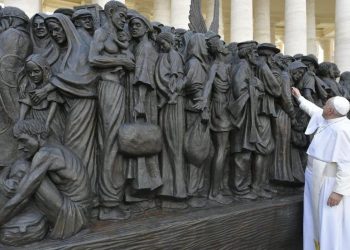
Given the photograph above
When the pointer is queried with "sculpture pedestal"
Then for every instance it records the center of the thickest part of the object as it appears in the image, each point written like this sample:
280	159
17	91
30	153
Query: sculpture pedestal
263	224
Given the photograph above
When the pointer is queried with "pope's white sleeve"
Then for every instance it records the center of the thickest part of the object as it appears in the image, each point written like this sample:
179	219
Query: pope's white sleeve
342	183
309	107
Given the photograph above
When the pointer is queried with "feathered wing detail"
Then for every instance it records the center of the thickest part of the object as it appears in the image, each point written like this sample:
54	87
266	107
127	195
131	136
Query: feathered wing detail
197	22
214	27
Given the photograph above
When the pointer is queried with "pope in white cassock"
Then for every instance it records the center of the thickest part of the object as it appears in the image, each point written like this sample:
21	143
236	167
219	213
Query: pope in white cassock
327	176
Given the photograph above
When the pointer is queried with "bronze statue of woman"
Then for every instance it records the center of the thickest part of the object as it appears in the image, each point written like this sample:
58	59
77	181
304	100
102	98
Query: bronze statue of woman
43	44
76	81
169	76
299	141
196	71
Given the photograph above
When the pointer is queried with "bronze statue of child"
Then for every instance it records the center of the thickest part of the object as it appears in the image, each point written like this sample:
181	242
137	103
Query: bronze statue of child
38	73
123	43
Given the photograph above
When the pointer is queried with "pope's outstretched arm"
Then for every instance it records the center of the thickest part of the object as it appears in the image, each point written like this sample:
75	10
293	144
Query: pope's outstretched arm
309	107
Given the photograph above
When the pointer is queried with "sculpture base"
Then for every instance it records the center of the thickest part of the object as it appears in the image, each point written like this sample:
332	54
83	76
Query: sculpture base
263	224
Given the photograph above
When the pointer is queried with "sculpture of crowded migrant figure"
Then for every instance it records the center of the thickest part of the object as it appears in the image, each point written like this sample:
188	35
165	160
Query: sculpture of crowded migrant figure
232	58
344	83
142	113
329	72
48	110
15	47
283	169
215	101
182	37
65	11
299	141
43	44
124	46
10	178
84	23
56	178
297	57
76	82
107	57
197	137
312	87
169	76
157	28
29	224
252	106
269	73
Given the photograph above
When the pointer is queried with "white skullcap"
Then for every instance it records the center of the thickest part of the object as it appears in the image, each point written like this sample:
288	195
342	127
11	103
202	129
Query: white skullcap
341	105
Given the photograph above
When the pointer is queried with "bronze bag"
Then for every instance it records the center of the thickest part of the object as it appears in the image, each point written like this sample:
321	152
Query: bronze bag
140	139
29	226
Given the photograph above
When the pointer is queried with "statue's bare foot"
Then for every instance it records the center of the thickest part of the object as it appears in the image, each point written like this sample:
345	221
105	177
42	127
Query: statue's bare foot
221	199
174	204
262	193
248	196
113	213
146	205
270	188
197	202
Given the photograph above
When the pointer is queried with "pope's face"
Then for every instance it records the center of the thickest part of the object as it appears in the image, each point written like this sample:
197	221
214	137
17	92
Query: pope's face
328	110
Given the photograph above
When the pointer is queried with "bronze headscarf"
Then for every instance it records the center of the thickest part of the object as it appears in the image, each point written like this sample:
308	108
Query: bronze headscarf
197	47
74	76
45	46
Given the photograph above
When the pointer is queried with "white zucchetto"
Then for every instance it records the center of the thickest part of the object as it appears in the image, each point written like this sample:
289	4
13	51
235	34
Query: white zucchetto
341	105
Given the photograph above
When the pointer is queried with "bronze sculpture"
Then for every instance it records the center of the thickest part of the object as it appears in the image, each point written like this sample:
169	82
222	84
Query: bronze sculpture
57	178
196	70
48	111
143	171
84	23
75	80
169	77
216	95
136	115
43	44
15	47
105	55
329	72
